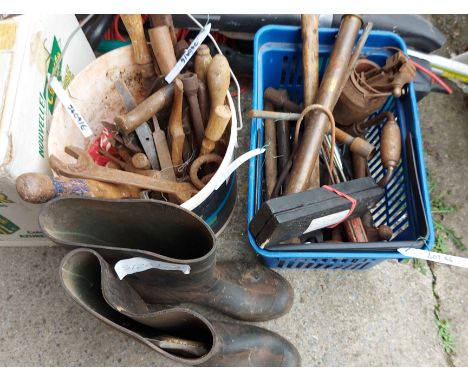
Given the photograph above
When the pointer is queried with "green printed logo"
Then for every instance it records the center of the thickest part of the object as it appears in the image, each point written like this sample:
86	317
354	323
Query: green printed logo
7	227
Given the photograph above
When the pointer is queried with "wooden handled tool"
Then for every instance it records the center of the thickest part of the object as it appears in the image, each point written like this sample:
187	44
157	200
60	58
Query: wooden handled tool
280	100
215	129
190	82
310	64
175	125
134	26
85	168
271	167
160	20
163	49
204	102
390	149
140	161
218	77
39	188
145	110
202	62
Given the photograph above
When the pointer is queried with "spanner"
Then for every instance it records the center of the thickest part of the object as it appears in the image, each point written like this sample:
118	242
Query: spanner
85	168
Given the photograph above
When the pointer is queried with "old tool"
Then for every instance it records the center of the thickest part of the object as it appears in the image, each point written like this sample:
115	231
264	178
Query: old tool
39	188
141	162
204	102
161	42
171	234
85	168
163	151
327	96
180	49
390	142
310	65
197	163
218	77
161	20
280	100
290	216
175	332
134	25
190	82
175	128
271	168
202	62
143	131
215	129
145	110
356	144
283	144
369	85
130	141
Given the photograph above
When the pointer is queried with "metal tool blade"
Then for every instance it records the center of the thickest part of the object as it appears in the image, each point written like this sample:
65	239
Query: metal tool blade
143	131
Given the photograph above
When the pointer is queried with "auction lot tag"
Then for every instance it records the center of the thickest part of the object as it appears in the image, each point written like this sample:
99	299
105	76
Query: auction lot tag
71	108
189	52
140	264
434	256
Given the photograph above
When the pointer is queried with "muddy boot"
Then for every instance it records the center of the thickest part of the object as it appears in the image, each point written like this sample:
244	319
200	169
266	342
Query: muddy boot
173	235
177	333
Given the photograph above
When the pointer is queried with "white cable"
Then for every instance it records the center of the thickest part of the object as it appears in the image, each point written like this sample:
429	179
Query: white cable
241	124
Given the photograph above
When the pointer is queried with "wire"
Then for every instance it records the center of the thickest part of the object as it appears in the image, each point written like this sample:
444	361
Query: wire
241	124
433	76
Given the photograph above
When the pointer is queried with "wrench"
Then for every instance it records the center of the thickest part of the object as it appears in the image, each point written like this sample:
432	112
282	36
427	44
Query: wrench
85	168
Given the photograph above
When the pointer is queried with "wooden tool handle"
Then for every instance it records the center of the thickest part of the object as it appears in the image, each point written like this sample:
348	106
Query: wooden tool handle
202	62
190	82
134	26
145	110
218	78
310	62
204	102
175	127
140	161
215	129
271	166
39	188
163	49
160	20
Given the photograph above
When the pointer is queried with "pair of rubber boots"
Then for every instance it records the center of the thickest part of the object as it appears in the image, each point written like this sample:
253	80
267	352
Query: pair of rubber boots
173	253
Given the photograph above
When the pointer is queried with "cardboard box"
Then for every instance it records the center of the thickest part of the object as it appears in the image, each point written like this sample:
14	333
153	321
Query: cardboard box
29	47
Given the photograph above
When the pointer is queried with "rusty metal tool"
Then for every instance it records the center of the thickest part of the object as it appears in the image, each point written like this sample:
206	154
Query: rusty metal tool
130	141
85	168
145	110
357	144
309	148
134	26
161	42
190	82
202	62
310	65
280	100
175	128
197	163
143	131
39	188
271	167
215	129
204	102
161	20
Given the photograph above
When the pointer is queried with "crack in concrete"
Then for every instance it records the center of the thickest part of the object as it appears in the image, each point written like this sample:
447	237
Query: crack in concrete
448	356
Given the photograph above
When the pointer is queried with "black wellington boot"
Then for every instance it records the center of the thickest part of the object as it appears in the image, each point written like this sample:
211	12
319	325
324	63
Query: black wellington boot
177	333
170	234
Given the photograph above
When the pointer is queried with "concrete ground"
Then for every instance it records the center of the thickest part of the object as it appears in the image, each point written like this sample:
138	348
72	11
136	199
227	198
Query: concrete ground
384	316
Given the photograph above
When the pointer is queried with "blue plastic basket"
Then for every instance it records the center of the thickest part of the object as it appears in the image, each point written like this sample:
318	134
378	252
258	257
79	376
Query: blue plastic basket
405	206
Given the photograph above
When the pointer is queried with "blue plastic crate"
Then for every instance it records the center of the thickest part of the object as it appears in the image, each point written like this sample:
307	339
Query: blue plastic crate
278	63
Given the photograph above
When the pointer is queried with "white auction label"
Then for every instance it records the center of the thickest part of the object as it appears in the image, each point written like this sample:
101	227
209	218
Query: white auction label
71	108
140	264
326	221
434	256
189	52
